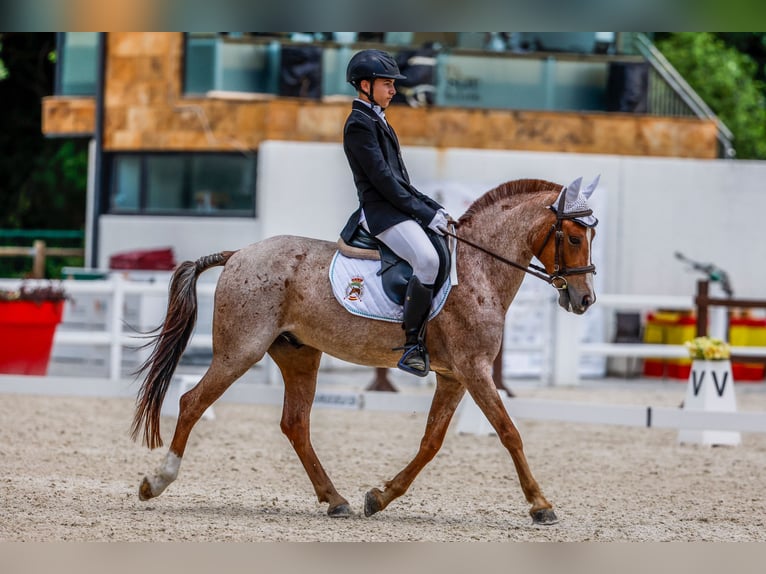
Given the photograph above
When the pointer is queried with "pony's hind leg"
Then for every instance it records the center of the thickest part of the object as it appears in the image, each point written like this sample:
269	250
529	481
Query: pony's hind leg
446	399
193	404
299	366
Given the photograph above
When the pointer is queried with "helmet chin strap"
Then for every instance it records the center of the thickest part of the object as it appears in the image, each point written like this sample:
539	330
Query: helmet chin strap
369	94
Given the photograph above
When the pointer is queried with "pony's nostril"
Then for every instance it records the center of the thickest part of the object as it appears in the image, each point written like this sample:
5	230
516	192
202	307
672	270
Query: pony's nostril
587	301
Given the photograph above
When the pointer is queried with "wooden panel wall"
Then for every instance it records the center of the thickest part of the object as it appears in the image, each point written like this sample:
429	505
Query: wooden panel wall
146	110
65	116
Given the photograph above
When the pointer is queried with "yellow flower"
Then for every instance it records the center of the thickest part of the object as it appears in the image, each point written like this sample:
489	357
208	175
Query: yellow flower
708	349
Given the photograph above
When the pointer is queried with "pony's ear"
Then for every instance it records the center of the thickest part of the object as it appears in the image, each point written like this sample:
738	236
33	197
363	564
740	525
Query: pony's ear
591	187
573	190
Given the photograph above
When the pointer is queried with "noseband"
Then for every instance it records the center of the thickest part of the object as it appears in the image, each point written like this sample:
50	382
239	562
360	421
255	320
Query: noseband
560	270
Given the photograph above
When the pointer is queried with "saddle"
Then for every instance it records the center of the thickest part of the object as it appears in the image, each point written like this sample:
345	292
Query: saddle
394	272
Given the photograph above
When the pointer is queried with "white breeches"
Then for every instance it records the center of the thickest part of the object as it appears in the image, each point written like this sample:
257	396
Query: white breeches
410	242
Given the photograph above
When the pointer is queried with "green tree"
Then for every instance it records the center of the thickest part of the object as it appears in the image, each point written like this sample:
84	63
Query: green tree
727	80
3	70
42	180
751	43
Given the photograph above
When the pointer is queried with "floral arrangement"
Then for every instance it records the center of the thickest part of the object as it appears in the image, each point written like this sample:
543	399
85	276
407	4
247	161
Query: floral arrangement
708	349
37	293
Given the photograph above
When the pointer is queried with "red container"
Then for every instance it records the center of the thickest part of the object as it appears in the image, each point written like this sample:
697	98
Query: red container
654	368
26	335
679	371
747	372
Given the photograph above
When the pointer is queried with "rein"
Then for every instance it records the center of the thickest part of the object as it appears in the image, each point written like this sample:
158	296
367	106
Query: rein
561	271
533	270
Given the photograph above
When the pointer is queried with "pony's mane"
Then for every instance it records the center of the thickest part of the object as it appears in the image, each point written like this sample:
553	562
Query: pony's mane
508	189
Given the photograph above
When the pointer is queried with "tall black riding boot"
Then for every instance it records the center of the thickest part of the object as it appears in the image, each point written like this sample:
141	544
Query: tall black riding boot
417	306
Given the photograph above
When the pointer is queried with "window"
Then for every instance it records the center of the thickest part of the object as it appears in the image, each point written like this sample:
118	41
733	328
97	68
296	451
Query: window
127	183
205	184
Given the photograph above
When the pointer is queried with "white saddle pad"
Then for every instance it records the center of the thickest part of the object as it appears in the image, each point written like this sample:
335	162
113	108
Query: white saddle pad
358	288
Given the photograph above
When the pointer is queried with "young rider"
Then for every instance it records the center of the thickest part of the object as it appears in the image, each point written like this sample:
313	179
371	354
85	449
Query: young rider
390	208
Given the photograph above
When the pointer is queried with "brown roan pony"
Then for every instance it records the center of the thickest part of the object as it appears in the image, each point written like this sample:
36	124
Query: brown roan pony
275	297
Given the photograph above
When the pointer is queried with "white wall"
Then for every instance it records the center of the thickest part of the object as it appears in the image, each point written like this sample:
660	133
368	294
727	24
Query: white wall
189	237
303	189
710	210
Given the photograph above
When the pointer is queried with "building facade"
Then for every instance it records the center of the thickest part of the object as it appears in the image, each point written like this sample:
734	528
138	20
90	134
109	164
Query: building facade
178	120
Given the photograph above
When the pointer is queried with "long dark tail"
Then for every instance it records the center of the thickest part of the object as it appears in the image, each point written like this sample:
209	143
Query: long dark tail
169	345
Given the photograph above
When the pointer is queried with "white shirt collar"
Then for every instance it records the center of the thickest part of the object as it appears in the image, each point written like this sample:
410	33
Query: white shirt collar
375	108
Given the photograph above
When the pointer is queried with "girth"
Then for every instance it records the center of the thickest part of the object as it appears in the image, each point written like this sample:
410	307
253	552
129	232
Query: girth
394	272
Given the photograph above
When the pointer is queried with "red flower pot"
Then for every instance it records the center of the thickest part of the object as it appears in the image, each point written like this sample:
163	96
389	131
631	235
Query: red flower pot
26	335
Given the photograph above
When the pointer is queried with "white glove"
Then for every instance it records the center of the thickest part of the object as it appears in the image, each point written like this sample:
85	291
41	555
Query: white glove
440	222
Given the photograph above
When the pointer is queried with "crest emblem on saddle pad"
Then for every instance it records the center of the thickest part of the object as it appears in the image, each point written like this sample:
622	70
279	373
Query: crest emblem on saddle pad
576	201
355	289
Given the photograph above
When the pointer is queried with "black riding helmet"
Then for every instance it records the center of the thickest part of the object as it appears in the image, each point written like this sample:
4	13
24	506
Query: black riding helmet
371	64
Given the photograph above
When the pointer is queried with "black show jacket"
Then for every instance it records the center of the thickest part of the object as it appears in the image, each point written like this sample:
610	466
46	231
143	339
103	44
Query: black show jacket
382	183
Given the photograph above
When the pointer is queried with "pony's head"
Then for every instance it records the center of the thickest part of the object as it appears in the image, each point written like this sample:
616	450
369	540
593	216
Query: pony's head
565	247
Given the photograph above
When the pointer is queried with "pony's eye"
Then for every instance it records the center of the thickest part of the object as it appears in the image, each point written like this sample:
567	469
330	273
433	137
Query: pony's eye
574	240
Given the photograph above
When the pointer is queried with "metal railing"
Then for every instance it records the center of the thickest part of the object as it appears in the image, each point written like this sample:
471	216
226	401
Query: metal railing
670	95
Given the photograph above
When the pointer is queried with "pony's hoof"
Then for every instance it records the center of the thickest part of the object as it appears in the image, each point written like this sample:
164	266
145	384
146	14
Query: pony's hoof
145	490
372	503
544	517
340	511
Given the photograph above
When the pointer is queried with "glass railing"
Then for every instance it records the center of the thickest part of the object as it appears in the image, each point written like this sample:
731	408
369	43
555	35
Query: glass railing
461	77
219	63
477	72
77	60
476	81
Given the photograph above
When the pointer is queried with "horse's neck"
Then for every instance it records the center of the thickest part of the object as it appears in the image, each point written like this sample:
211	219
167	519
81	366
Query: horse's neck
509	226
506	229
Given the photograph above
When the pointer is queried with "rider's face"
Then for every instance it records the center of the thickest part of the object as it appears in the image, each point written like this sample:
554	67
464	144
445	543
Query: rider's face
382	91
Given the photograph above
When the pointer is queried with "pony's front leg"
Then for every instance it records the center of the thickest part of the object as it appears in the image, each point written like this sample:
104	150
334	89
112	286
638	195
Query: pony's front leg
488	400
446	399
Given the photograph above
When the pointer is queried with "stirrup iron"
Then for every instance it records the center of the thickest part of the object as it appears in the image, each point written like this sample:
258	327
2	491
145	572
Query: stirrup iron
408	352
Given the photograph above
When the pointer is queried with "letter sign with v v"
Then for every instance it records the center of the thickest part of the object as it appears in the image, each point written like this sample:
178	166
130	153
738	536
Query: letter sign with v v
711	387
719	388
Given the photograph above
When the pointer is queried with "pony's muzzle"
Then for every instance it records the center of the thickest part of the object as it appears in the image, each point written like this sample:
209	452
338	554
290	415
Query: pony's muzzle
585	301
575	301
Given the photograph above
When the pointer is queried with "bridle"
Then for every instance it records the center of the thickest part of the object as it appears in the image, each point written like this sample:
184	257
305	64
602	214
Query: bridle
560	269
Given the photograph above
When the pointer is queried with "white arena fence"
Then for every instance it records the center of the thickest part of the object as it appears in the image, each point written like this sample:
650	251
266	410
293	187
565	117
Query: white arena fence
121	303
100	313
